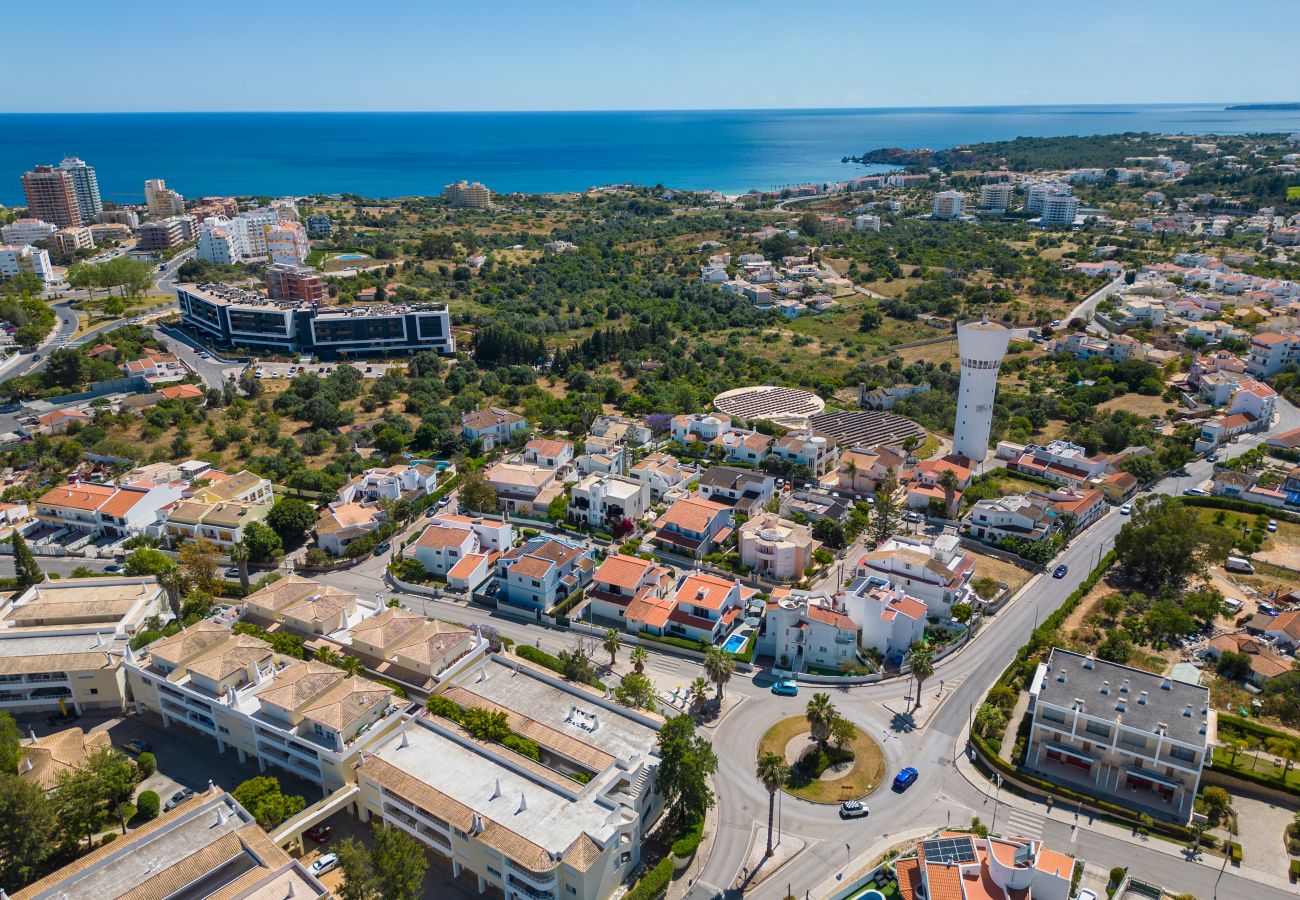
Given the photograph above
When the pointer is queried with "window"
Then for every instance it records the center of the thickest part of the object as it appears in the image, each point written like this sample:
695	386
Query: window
93	692
1183	753
624	858
1098	729
493	872
570	889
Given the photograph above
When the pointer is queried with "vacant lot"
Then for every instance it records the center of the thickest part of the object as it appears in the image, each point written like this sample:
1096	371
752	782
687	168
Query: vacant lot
1009	574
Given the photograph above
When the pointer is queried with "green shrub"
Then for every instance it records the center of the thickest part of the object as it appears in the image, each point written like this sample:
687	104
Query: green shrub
398	690
147	806
1295	870
441	706
684	643
654	883
108	838
1117	875
148	764
541	657
1234	851
522	745
689	840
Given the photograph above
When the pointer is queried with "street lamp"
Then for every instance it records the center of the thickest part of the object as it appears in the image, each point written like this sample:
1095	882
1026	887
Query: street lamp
997	779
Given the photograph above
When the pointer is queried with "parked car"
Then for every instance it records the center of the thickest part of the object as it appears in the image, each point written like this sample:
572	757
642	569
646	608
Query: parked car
320	834
382	547
327	863
136	746
786	688
1085	894
232	572
1272	524
904	779
913	517
1126	509
178	798
432	511
113	569
1196	492
442	504
1060	571
853	809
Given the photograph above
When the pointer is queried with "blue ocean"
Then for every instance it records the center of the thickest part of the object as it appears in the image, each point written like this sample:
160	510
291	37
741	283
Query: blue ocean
411	153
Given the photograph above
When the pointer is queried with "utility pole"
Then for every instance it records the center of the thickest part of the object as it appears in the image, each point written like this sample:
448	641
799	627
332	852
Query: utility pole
997	779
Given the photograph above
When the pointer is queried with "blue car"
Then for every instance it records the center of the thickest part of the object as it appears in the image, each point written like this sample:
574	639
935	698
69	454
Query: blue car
786	689
903	780
1060	571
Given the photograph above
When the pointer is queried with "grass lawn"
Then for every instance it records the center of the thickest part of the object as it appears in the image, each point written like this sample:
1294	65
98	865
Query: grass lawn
866	775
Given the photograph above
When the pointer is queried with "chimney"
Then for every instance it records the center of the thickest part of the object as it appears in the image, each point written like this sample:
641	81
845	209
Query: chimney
221	816
31	732
496	791
523	803
27	764
406	740
291	889
1105	687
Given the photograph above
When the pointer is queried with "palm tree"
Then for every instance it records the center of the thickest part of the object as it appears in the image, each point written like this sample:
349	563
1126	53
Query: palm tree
351	665
611	644
922	667
174	582
1288	748
239	556
699	687
948	481
772	771
327	655
820	714
718	666
639	658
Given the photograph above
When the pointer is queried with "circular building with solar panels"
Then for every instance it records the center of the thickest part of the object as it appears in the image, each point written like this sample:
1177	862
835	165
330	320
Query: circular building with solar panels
785	406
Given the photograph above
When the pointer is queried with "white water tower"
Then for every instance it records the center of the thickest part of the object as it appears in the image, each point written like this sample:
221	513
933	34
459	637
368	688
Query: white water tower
981	345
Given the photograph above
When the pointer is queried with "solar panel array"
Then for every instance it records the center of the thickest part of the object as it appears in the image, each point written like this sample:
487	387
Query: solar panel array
767	403
949	850
866	428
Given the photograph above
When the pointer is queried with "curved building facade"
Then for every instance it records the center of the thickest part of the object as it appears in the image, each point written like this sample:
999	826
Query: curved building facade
982	346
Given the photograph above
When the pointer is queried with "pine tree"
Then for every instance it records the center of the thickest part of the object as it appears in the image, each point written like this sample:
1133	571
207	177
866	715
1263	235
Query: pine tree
26	570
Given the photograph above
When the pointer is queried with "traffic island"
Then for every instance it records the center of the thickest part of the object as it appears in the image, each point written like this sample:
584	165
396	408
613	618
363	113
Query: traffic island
825	773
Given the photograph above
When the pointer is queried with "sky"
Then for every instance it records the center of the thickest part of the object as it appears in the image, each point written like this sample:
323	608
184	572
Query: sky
237	55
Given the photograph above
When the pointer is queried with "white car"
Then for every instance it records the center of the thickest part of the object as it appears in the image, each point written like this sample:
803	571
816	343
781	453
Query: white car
1085	894
1126	509
1272	524
327	863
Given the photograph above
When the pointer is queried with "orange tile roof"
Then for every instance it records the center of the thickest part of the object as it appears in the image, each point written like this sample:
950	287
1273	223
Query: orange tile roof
691	514
532	566
466	565
1054	861
830	617
440	537
709	591
624	571
181	392
86	497
122	502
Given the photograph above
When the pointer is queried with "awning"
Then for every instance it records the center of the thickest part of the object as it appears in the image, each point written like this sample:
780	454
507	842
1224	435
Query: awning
1061	748
1155	779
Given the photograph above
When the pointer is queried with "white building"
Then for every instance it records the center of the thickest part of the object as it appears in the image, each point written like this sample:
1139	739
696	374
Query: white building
1036	194
601	501
937	572
947	204
163	203
410	481
1059	209
982	346
223	241
86	187
16	259
1271	352
286	243
27	231
997	196
461	549
890	620
802	630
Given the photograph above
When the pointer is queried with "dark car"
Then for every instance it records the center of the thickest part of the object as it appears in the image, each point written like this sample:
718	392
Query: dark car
904	779
136	746
382	548
114	569
320	834
178	798
1060	571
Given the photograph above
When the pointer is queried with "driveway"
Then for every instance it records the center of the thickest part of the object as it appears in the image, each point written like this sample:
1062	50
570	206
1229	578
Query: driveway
1262	823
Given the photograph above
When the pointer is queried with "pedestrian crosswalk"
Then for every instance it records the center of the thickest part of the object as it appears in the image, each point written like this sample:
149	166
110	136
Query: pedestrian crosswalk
1020	823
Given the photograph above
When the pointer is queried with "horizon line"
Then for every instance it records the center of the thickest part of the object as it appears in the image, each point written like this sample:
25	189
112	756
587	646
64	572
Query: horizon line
648	109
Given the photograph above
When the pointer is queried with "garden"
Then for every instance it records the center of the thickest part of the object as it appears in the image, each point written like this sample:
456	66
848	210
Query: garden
828	759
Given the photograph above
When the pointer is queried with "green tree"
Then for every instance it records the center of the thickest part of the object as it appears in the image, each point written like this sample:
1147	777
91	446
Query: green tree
884	514
922	668
148	561
990	721
27	571
1165	543
11	744
611	644
398	863
291	519
950	484
718	666
265	802
239	554
842	732
486	724
1233	666
772	772
686	760
359	881
820	713
639	657
636	691
476	493
263	543
198	559
87	798
27	830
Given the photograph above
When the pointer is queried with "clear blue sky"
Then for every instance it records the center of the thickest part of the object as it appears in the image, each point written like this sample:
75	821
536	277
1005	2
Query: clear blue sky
652	54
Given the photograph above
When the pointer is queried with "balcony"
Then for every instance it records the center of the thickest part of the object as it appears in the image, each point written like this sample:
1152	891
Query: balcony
517	884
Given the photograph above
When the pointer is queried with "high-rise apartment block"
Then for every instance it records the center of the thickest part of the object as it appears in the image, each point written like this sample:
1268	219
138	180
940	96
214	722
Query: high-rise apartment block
1036	194
320	224
1059	209
997	197
297	283
286	243
52	196
947	204
982	346
68	241
466	195
25	260
161	200
85	186
165	234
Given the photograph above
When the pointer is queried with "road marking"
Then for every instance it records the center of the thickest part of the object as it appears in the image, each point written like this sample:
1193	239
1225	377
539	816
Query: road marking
1020	823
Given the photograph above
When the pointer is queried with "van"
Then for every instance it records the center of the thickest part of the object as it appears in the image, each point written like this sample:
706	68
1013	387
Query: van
1232	606
1239	564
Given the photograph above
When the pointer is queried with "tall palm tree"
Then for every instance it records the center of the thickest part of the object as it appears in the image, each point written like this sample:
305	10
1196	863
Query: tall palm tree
327	655
699	687
611	644
948	481
718	666
772	771
174	582
922	667
639	657
820	713
239	556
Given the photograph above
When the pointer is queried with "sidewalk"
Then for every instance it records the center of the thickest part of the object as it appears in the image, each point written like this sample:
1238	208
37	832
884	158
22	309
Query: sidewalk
1063	813
681	885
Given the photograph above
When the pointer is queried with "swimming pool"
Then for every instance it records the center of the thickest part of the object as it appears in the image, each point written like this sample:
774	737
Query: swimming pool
352	256
735	643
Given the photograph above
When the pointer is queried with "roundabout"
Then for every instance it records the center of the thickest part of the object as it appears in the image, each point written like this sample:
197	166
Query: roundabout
827	772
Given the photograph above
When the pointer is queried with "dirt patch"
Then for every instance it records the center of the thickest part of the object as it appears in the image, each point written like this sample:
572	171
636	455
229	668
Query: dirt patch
999	570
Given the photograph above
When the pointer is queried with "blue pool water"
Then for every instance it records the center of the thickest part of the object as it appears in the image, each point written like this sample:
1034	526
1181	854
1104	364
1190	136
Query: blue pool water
735	643
351	256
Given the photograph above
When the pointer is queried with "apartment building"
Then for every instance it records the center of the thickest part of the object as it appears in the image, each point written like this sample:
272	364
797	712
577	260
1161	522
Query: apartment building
803	630
303	717
222	524
302	605
810	448
1061	462
1119	733
692	528
67	241
1036	195
604	501
462	194
524	489
622	582
295	283
105	509
62	642
27	231
223	241
947	205
206	840
776	548
233	317
1012	516
16	259
162	202
937	572
461	549
744	490
52	196
320	224
492	426
164	234
702	607
1059	210
85	188
1271	352
286	243
997	197
699	427
745	446
569	825
963	866
663	474
399	643
408	482
543	572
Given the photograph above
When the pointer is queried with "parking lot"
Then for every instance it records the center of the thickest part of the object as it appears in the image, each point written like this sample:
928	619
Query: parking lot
289	370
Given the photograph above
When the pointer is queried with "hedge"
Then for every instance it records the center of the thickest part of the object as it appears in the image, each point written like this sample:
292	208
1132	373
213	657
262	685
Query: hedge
684	643
541	657
1295	870
1234	852
1276	784
1242	506
654	883
689	841
1248	726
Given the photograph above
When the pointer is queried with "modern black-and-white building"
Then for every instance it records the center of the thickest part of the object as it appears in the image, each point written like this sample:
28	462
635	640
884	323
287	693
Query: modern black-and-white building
234	317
